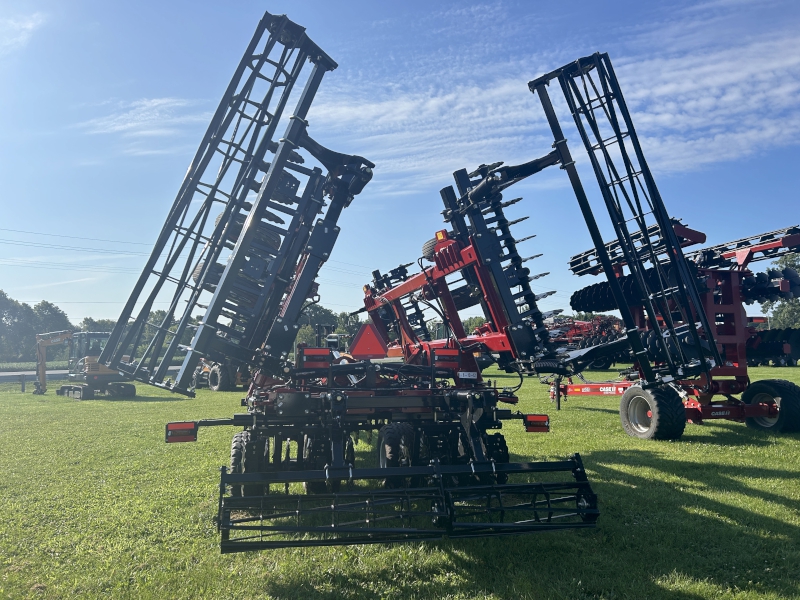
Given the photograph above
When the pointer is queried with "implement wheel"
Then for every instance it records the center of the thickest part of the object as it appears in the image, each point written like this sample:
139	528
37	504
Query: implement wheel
655	414
219	379
246	457
775	391
395	443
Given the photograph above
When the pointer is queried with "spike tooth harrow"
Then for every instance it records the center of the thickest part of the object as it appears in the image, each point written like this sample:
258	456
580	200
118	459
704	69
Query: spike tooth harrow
370	515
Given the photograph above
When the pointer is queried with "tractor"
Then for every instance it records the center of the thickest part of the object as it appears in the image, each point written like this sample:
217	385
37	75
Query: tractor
88	377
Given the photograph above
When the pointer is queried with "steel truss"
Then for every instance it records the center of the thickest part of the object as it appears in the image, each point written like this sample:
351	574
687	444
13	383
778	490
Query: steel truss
246	264
636	210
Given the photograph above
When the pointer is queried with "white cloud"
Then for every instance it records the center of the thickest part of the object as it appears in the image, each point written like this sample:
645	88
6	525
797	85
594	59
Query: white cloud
15	32
145	124
146	117
56	283
703	88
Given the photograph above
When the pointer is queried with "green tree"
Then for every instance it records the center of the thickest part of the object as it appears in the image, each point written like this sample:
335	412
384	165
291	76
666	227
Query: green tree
307	335
785	313
348	324
19	324
585	316
316	314
90	324
472	322
51	318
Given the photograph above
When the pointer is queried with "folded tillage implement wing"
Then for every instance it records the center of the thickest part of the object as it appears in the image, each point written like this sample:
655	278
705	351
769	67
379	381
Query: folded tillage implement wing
684	320
236	264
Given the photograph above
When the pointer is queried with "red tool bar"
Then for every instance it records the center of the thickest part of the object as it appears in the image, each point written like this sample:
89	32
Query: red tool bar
420	280
784	242
697	413
609	388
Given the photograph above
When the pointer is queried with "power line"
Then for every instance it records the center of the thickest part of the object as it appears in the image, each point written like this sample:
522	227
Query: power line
75	237
79	249
64	267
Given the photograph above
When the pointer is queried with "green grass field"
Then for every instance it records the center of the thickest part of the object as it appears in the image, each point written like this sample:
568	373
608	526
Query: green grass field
93	503
31	365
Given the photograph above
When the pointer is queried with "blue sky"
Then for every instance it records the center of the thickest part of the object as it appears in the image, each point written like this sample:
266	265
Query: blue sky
102	106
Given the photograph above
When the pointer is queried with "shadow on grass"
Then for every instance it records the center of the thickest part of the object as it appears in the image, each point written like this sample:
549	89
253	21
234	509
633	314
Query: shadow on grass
725	433
145	399
669	528
590	409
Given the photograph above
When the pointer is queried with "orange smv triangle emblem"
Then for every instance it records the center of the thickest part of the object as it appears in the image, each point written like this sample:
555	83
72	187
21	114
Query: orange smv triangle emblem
367	343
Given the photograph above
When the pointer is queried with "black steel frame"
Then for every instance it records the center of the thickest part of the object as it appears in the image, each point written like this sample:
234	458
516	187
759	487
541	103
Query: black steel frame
595	100
259	248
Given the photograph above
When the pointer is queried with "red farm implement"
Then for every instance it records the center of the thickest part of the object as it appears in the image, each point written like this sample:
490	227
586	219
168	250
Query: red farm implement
236	285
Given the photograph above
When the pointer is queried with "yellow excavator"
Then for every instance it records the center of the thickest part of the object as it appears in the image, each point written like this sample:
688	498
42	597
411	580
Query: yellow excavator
87	377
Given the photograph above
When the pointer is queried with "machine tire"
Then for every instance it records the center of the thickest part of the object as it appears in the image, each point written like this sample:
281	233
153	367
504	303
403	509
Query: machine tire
395	443
219	379
427	249
655	414
602	364
785	394
237	458
497	450
314	461
242	453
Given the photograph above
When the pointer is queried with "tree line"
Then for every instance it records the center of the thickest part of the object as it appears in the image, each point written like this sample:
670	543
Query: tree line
20	322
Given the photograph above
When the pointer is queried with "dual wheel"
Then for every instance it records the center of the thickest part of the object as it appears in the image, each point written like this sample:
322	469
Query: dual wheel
659	414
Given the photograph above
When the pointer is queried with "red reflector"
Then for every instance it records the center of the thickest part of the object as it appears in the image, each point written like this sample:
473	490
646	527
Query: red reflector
537	423
316	352
185	431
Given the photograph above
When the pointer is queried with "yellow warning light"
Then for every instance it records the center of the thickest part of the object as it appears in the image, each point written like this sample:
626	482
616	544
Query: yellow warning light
441	235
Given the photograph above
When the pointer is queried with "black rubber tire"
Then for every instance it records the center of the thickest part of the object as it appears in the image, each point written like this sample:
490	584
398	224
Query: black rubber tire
219	379
238	445
602	364
654	414
245	459
395	444
787	395
427	249
497	450
316	460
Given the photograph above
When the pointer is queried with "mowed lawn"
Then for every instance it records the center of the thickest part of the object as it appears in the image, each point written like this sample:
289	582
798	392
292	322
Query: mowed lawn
93	503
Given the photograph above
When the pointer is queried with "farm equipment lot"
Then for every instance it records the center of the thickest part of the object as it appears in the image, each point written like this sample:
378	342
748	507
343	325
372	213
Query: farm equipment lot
94	503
